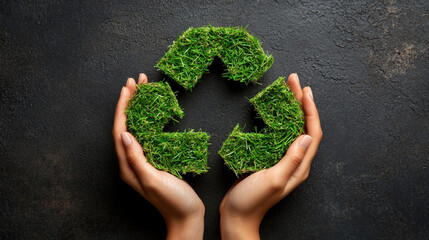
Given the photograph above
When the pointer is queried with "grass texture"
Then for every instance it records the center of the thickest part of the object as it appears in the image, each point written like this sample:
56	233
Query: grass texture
284	119
150	109
189	57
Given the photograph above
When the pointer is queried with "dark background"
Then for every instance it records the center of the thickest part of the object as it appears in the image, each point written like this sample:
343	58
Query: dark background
63	65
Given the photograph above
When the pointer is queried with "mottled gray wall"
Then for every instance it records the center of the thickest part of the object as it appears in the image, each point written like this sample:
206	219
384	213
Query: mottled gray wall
63	64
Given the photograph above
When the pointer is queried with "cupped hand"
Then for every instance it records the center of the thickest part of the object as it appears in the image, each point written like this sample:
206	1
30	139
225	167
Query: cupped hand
178	203
246	203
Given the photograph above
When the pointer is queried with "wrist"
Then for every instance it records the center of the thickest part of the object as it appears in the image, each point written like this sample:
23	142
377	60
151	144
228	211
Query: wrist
189	227
239	227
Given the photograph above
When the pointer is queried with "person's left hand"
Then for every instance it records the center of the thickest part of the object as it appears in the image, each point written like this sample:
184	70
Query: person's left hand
178	203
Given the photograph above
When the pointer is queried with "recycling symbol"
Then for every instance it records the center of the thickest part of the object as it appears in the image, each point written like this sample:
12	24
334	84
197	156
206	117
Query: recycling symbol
188	58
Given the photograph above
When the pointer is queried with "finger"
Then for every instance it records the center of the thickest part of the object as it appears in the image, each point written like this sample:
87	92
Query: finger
136	159
293	82
127	174
120	117
294	157
142	78
313	129
119	127
131	85
312	120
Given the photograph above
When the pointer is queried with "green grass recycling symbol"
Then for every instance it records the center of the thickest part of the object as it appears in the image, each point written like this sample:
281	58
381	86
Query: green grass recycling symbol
154	105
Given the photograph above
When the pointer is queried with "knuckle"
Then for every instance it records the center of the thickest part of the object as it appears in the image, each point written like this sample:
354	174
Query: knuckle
132	158
123	176
296	160
318	134
150	184
114	132
222	208
202	209
277	182
304	176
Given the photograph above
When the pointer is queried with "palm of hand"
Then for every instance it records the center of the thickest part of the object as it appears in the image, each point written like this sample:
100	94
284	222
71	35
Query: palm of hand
174	196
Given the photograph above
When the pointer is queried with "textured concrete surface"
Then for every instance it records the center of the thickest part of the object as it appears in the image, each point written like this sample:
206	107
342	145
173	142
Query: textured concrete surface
63	64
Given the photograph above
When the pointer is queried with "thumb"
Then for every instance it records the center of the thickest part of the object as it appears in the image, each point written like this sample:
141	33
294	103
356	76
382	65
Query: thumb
135	156
294	156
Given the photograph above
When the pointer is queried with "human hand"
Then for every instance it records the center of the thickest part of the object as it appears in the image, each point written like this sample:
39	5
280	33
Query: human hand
182	209
246	203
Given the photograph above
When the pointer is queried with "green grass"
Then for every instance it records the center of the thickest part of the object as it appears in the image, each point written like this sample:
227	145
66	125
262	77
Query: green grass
178	152
278	107
281	112
189	57
150	109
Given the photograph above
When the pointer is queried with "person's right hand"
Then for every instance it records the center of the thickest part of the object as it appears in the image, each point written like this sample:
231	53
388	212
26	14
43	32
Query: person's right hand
178	203
246	203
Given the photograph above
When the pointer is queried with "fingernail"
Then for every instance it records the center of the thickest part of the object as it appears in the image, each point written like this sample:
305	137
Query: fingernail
129	81
296	76
122	91
141	78
305	141
310	93
126	140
